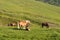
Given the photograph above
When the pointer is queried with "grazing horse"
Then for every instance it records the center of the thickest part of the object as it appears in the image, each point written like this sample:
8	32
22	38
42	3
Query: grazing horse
45	24
25	24
12	24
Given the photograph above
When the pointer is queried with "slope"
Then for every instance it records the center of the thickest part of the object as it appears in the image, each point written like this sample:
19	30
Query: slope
36	12
14	10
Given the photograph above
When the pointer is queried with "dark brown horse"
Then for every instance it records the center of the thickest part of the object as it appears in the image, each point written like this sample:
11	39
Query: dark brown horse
12	24
45	24
24	24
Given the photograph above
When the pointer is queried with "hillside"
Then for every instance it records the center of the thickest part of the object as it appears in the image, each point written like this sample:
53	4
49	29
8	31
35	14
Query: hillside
36	12
14	10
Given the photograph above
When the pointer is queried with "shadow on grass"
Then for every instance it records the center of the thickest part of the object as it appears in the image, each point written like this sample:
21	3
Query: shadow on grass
19	29
16	29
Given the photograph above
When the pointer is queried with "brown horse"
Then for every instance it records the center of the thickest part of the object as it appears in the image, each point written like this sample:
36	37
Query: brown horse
25	24
45	24
12	24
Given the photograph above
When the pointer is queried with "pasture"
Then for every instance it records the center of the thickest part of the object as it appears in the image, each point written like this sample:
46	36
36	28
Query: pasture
36	12
36	33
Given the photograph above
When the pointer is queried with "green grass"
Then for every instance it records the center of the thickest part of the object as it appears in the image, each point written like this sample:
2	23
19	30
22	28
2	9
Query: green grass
36	12
36	33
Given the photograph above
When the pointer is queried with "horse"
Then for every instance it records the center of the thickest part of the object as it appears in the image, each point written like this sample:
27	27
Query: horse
12	24
24	24
45	24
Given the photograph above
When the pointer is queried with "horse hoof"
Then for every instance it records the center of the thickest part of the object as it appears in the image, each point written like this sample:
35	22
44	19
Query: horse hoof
28	29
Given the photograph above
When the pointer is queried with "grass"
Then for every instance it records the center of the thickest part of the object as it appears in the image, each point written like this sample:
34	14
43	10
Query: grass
36	12
36	33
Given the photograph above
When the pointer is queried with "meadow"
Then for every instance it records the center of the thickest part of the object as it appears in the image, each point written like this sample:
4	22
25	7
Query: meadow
36	12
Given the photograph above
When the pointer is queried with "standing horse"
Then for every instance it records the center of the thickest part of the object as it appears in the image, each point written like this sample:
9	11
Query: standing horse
45	24
25	24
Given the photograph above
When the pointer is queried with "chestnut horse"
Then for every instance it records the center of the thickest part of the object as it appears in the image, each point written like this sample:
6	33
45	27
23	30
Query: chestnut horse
45	24
24	24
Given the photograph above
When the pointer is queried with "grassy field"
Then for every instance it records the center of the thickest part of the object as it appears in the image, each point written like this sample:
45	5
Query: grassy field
36	12
36	33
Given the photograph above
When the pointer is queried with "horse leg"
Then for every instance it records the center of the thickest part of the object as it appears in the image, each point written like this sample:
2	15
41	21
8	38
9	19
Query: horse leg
47	25
18	26
42	25
27	26
24	27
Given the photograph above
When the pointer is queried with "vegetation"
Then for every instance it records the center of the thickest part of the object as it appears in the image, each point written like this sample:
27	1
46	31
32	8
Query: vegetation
36	12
